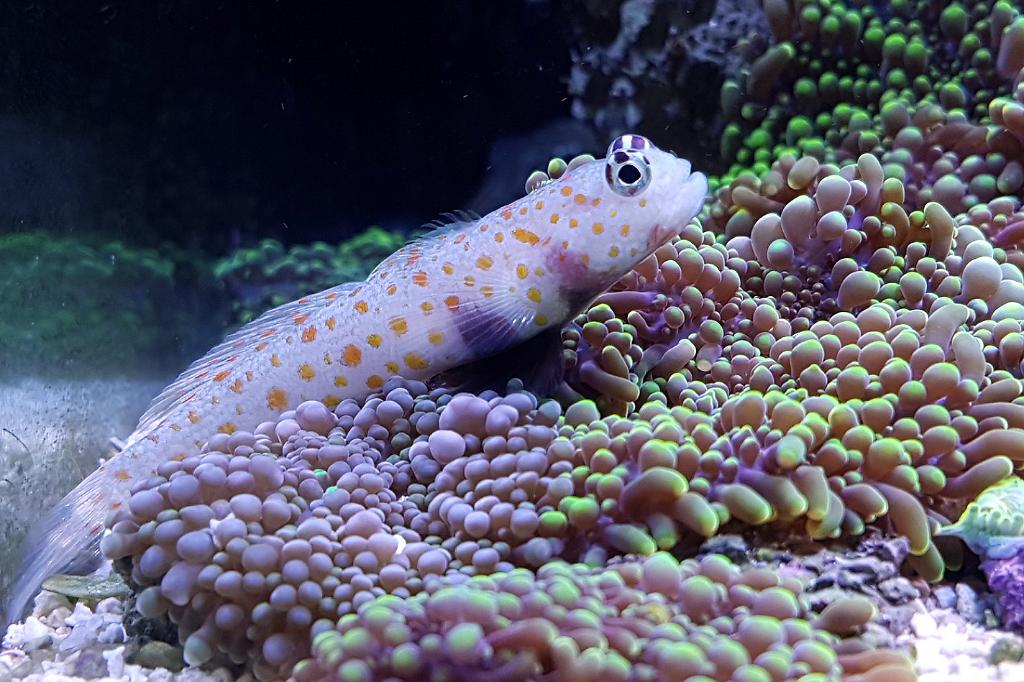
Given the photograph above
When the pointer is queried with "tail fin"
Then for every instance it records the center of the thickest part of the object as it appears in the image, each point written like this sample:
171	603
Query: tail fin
72	527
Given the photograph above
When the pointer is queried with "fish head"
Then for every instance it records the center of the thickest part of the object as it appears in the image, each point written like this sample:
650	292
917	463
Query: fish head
620	209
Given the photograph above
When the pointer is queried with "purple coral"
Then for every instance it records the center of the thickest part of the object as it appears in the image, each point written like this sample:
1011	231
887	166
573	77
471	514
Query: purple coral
1006	580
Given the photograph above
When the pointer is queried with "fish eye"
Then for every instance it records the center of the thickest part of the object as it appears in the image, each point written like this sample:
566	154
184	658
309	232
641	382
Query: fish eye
627	172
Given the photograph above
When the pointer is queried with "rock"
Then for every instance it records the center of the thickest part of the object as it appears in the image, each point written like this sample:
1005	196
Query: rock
731	545
88	587
945	596
160	655
1007	650
115	661
967	604
90	664
40	642
47	602
897	590
923	625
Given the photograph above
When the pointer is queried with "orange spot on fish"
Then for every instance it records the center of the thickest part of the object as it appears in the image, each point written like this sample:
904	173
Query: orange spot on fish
268	333
201	374
262	345
580	199
522	211
624	230
275	360
539	205
351	356
374	340
598	228
122	475
415	361
175	427
469	281
487	291
237	386
331	323
399	326
573	223
300	319
461	238
448	268
484	262
452	302
525	236
227	427
331	296
309	334
540	321
392	367
595	202
374	381
427	307
221	376
306	371
193	417
328	359
554	218
361	307
392	288
277	399
340	381
506	214
436	338
613	252
643	202
566	191
420	279
522	271
331	401
499	237
533	294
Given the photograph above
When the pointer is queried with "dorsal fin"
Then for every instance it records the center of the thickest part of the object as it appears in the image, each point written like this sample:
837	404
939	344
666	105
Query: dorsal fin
439	231
447	222
236	342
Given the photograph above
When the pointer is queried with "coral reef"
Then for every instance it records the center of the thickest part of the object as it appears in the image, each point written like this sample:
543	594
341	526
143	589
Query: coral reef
268	275
463	533
841	77
835	348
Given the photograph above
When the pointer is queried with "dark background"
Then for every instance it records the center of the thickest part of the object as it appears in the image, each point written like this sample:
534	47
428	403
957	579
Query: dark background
217	123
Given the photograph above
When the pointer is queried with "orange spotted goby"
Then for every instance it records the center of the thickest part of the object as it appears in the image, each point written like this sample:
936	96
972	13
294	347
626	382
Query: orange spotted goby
473	289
